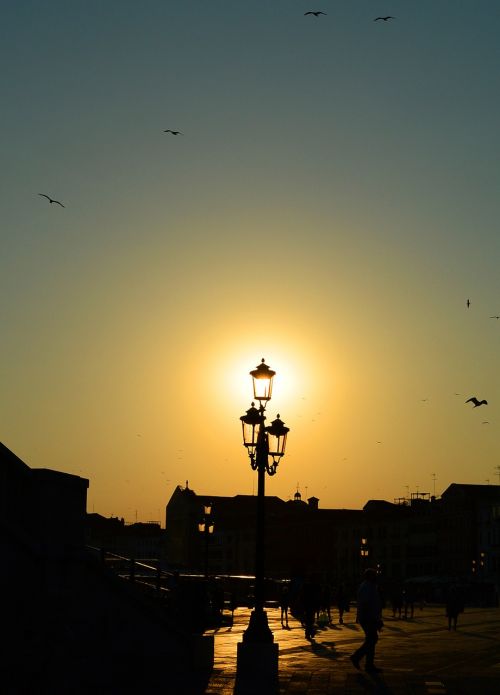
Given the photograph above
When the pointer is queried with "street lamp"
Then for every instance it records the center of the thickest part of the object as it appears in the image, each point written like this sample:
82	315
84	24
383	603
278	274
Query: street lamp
364	552
206	526
265	447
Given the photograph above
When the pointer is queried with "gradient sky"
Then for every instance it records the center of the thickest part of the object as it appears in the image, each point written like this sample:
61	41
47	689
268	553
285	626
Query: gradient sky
331	205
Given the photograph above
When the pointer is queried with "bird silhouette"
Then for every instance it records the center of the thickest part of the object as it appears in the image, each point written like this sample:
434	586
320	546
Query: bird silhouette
174	132
468	303
51	200
494	317
384	19
316	13
474	400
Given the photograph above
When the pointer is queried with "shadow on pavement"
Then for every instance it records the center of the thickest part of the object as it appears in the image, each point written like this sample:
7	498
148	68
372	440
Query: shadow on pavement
373	684
325	650
252	687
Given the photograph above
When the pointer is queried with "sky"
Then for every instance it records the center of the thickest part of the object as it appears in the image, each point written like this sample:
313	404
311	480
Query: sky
330	204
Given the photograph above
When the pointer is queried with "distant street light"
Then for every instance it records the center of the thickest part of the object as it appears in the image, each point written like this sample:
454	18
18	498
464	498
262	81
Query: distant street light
364	553
265	447
206	526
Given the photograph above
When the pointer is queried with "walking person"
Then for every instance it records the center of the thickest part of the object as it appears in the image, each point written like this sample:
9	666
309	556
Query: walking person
370	619
284	605
342	602
310	598
327	601
233	604
454	606
409	601
397	600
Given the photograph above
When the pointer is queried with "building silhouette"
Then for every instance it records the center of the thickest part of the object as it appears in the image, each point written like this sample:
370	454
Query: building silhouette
421	537
72	624
141	540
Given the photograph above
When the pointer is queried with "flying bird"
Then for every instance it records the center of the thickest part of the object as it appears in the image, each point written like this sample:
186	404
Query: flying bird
494	317
51	200
474	400
315	13
174	132
384	19
468	303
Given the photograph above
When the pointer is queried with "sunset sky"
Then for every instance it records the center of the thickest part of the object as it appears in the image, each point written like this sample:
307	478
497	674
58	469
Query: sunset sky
331	204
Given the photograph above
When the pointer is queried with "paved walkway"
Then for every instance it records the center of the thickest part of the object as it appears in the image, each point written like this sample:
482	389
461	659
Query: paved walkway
419	656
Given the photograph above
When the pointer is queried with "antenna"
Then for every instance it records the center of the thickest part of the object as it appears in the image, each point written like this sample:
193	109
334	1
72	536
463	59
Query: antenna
434	484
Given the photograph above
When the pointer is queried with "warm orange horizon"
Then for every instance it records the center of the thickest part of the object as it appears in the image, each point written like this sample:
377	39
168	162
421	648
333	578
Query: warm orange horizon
331	205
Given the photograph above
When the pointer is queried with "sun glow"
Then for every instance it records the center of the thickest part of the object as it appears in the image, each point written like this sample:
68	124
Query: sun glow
284	383
229	376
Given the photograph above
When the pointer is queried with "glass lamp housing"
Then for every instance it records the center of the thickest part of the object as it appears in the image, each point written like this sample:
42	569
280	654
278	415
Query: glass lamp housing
262	378
250	423
277	433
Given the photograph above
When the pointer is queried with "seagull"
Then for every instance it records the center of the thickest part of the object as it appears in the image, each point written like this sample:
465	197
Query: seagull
468	303
474	400
51	200
384	19
174	132
316	13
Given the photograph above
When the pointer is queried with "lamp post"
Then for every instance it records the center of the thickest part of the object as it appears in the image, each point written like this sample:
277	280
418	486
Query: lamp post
265	447
206	526
364	553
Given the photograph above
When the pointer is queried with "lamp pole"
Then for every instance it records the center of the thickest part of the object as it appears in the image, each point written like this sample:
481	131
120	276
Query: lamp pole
364	553
265	446
206	526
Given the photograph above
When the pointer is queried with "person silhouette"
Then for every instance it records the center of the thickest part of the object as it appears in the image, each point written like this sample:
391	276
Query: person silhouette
397	601
342	602
310	598
284	600
409	601
454	606
370	619
233	604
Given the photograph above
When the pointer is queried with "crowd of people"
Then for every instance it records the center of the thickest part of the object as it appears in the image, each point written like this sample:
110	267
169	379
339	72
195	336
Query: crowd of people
316	604
311	602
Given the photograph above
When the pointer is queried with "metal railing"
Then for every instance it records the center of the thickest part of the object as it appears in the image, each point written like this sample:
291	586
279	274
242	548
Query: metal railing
151	576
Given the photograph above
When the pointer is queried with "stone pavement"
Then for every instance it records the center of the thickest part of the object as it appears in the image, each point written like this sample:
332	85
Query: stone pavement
419	656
